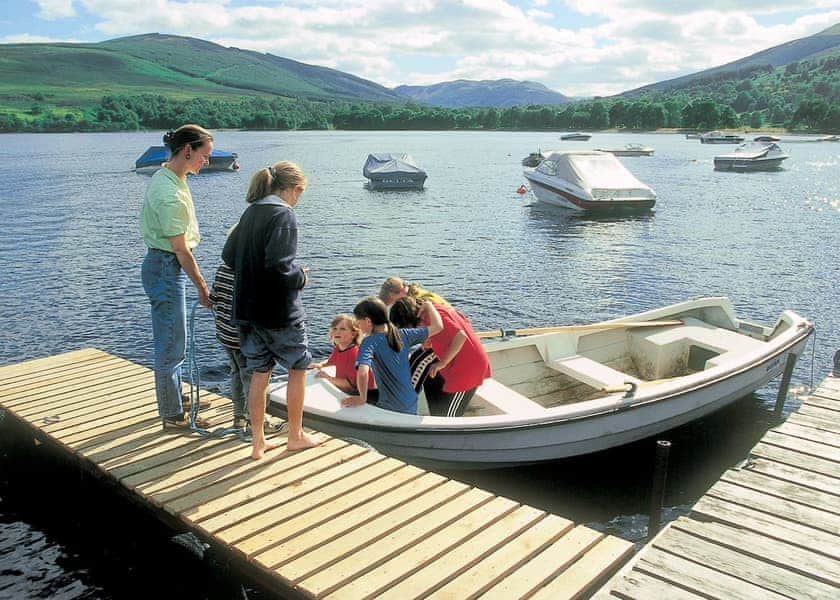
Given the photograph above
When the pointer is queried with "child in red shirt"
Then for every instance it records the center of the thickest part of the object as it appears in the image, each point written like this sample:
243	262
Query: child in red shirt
460	358
346	337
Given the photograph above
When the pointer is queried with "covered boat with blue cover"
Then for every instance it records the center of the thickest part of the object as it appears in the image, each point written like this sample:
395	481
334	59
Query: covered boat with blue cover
151	160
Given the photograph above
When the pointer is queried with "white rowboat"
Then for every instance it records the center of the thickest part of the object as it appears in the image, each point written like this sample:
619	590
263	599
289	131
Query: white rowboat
578	389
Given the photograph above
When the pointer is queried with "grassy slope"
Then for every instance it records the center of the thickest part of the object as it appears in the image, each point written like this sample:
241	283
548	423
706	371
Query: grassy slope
245	69
79	76
61	77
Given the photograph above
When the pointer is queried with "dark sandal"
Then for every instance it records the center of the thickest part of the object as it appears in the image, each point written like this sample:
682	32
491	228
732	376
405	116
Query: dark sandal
183	423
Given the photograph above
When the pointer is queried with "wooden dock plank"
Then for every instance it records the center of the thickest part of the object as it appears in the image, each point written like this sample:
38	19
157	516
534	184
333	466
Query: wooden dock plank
816	449
818	412
772	551
589	570
641	586
66	385
374	519
778	506
388	561
288	471
814	421
808	433
795	459
801	477
17	392
828	403
463	556
698	578
36	365
783	489
215	469
297	513
546	565
776	527
772	578
488	572
275	491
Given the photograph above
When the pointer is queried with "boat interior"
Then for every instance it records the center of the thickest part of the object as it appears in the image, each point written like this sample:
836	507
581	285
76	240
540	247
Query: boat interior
543	371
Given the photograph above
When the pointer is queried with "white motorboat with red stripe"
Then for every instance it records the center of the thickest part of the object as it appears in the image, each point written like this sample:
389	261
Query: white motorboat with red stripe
589	180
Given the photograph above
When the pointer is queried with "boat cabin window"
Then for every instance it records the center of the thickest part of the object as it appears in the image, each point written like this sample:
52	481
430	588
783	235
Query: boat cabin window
548	167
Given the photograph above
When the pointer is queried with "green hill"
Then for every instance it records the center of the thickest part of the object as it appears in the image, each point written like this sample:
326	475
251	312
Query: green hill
499	93
74	77
819	44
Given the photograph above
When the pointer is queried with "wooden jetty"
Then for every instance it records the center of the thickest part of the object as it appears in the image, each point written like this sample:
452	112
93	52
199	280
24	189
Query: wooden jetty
768	529
337	521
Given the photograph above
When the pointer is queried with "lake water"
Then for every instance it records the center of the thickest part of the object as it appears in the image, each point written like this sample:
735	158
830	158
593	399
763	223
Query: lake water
70	256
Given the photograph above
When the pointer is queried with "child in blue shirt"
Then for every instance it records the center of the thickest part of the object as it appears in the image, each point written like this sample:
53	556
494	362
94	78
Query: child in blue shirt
385	349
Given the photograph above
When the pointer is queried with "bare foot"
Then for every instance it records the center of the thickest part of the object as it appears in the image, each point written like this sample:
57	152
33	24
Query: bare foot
260	449
305	441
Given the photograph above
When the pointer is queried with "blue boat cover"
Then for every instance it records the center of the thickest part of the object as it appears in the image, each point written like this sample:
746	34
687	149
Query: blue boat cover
155	155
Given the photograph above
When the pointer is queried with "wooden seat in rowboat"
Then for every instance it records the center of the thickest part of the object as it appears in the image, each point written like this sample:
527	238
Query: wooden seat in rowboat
590	372
506	400
724	342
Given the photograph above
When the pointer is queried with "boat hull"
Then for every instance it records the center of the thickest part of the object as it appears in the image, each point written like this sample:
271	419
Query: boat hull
552	193
226	163
397	182
746	164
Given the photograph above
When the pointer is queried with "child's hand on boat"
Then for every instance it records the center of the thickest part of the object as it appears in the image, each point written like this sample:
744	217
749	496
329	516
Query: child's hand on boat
352	401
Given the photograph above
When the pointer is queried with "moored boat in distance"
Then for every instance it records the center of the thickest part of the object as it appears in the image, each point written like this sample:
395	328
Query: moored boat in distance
829	138
575	137
578	389
692	136
765	138
151	160
533	159
629	150
387	171
752	156
717	137
588	181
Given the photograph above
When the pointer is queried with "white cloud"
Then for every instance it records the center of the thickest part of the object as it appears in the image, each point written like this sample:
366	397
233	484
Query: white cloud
55	9
634	43
27	38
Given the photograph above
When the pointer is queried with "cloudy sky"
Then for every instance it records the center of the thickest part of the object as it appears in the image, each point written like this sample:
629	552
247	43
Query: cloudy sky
577	47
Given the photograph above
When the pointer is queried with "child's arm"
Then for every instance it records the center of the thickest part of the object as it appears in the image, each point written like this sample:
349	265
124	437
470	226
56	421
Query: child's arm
321	364
362	376
451	352
435	322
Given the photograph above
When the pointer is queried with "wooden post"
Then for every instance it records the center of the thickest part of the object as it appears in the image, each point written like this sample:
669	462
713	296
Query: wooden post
784	385
657	490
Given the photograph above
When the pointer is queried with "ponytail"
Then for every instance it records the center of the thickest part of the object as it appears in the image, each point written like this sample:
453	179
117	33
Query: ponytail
394	338
374	309
280	176
186	135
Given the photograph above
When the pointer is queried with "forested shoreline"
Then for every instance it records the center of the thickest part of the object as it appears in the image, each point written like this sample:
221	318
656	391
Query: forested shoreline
803	96
132	113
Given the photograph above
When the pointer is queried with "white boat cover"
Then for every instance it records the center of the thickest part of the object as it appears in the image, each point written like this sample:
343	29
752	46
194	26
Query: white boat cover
391	164
590	170
754	150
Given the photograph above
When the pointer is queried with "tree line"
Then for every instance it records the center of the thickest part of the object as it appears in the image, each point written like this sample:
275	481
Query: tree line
803	95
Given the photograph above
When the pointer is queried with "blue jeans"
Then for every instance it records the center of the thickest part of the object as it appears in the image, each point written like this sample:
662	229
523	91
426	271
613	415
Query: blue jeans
240	382
166	286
